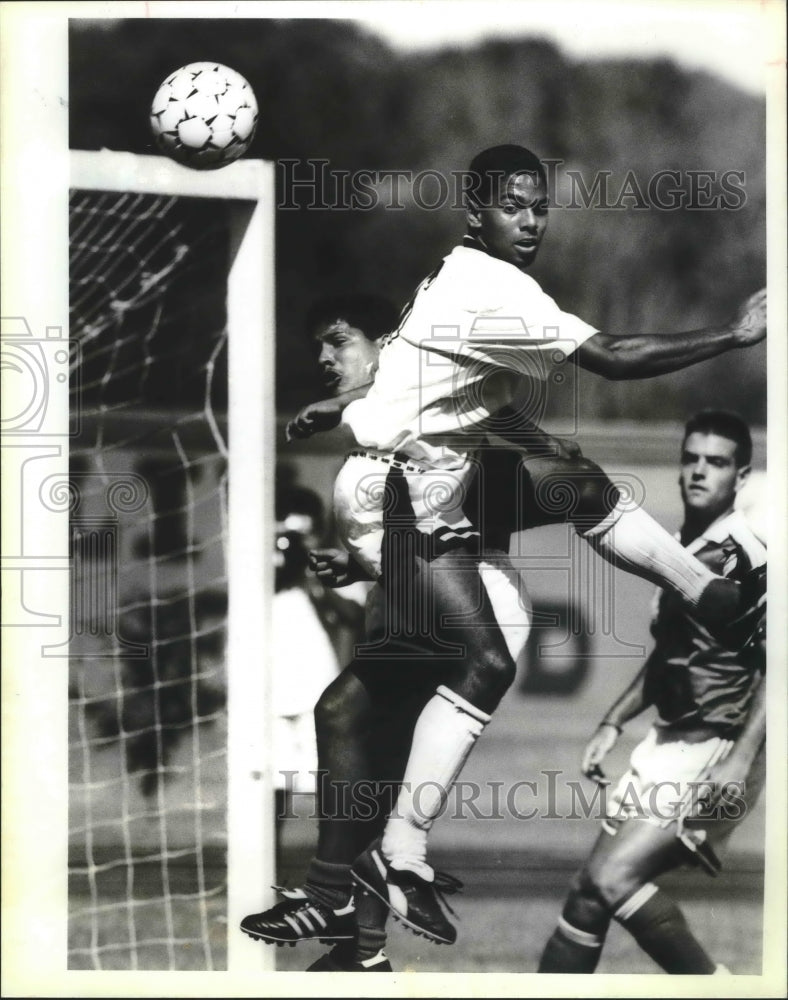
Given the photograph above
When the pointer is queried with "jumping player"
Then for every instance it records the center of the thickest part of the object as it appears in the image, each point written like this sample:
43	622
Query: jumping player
708	736
474	330
365	719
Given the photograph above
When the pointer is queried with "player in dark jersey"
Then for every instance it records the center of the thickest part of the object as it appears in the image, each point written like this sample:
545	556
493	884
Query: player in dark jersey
700	766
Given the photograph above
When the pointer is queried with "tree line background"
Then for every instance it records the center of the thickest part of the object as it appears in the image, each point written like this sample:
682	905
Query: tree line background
328	89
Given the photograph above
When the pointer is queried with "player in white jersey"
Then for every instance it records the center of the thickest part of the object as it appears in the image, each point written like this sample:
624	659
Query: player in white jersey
431	404
477	329
708	737
365	719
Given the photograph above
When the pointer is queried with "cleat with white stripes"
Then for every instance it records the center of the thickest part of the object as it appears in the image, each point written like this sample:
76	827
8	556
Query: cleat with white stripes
300	918
414	901
338	961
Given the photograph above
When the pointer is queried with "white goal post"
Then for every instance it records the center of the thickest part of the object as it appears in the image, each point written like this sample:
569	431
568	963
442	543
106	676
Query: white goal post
247	186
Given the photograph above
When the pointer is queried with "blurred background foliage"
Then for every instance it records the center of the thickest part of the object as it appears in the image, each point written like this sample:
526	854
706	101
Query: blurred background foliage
329	89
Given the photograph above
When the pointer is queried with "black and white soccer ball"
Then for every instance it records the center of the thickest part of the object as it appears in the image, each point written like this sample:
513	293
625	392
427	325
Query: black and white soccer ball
204	115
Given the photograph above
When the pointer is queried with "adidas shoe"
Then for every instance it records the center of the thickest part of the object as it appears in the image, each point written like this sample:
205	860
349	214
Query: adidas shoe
414	901
338	960
299	918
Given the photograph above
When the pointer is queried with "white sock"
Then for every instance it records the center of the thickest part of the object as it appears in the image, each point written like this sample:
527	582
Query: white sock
445	734
635	542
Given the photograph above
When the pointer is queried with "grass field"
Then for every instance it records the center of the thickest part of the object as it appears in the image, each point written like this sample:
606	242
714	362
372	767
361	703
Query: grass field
504	920
506	915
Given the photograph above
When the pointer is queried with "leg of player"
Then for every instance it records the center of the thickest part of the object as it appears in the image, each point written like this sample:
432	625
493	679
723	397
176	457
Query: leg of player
397	690
366	952
467	599
629	538
620	872
345	716
575	945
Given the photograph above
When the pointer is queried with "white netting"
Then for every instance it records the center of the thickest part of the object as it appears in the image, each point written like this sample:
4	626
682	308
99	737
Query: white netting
148	502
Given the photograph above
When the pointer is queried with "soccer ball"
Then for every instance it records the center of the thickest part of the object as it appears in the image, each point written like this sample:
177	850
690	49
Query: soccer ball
204	115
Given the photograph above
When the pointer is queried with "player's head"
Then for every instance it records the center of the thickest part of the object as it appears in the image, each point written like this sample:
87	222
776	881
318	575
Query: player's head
507	203
715	462
348	329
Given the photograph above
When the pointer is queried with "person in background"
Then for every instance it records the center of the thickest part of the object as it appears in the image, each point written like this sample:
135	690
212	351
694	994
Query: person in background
700	767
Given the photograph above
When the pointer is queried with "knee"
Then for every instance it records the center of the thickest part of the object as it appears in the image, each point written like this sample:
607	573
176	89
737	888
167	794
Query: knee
485	678
593	493
497	669
608	882
590	479
336	716
584	907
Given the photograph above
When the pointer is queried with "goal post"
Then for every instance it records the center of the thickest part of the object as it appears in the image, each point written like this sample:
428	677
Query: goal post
201	456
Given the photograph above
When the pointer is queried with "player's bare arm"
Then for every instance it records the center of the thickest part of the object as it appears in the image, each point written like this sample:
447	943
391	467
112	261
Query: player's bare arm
323	415
631	702
647	355
734	770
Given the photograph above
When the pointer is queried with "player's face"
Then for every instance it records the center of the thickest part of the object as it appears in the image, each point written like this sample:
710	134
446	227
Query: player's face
512	228
709	477
347	358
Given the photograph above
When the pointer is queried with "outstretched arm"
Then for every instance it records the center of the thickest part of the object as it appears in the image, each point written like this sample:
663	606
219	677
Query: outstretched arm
647	355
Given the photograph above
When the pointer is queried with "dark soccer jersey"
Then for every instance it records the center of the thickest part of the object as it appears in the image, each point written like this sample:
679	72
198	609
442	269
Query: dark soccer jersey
691	679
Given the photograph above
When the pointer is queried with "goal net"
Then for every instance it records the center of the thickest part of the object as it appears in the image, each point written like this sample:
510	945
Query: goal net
170	840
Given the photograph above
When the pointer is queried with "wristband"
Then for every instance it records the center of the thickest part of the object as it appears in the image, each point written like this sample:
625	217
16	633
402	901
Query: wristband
607	722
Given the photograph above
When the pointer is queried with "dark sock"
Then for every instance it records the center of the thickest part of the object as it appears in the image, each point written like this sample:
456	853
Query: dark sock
659	927
328	883
371	915
565	954
576	943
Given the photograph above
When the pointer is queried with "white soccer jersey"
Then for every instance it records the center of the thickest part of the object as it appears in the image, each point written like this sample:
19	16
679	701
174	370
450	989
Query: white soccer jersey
475	329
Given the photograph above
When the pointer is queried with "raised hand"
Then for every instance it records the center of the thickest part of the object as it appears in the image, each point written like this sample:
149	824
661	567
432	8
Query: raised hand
749	326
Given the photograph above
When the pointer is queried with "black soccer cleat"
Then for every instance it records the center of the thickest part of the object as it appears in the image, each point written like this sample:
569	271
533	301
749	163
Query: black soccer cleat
749	627
412	900
300	918
340	959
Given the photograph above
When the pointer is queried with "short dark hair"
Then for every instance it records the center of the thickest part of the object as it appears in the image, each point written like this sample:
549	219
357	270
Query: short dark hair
726	424
373	315
498	163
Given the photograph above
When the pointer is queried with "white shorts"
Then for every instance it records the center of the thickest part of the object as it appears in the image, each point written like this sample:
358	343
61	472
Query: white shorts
436	496
662	780
361	499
